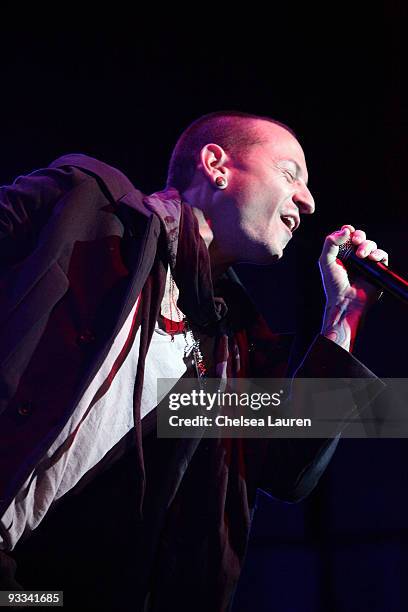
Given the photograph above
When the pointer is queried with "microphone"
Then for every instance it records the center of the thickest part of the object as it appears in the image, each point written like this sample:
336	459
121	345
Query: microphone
375	272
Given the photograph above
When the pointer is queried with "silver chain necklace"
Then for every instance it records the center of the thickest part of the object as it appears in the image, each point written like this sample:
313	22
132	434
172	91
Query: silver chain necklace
192	344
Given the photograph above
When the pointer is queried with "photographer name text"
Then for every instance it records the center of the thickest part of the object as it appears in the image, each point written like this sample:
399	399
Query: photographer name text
241	421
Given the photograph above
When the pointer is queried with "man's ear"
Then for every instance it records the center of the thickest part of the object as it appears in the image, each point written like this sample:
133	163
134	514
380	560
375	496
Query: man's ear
213	162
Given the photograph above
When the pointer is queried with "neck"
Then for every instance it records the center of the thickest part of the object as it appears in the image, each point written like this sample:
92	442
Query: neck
218	264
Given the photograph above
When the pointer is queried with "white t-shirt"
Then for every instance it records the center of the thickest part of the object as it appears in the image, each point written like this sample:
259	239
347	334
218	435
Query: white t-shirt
92	432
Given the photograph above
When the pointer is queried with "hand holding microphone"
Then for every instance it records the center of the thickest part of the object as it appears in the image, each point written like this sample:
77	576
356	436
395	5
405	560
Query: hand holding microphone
337	285
347	298
374	269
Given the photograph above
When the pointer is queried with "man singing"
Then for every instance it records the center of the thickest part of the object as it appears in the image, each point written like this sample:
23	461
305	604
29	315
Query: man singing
105	290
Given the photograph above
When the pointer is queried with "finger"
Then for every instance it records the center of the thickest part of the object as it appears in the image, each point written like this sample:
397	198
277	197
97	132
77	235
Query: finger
365	248
379	255
358	237
350	227
332	243
340	236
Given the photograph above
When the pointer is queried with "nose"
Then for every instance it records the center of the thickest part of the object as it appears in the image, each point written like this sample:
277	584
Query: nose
304	200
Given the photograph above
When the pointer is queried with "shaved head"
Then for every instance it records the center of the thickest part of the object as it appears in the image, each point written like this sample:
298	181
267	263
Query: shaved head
234	131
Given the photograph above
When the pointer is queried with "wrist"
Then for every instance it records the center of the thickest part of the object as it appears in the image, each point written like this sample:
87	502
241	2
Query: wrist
341	322
351	303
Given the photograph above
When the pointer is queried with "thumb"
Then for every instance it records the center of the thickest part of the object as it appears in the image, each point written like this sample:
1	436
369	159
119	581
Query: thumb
332	243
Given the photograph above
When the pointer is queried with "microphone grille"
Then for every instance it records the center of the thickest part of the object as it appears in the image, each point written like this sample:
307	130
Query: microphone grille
345	250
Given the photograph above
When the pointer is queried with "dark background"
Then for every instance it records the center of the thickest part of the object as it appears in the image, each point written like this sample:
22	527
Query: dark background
122	87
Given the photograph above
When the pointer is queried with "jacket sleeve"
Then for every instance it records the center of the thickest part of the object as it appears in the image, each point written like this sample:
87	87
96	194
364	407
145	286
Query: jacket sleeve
292	467
25	207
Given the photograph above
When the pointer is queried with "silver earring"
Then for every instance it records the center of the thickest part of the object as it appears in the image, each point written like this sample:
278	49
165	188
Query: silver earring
221	182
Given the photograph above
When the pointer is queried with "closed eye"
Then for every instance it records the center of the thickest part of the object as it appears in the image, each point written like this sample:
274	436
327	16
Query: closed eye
290	175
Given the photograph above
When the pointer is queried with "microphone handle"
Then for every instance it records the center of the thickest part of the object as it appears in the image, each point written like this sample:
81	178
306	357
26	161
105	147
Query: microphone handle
375	272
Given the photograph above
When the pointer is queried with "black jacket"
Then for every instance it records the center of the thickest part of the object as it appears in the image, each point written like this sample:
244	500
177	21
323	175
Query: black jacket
193	500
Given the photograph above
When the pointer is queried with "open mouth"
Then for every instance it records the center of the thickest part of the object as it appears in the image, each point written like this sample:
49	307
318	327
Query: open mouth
289	221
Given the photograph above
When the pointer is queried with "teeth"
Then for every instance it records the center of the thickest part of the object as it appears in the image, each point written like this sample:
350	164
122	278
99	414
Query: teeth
289	221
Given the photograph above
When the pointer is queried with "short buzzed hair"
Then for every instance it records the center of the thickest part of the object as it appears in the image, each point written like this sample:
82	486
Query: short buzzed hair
234	131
